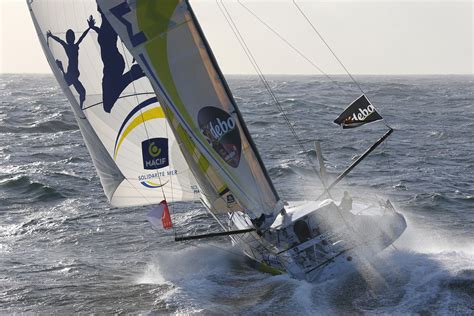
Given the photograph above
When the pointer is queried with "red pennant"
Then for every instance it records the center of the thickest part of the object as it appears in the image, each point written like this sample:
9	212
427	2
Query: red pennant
165	217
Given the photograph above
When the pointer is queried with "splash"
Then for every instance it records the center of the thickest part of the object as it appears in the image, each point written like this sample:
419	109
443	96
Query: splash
413	277
171	266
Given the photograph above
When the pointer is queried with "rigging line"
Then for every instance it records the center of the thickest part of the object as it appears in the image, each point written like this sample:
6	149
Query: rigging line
261	241
384	121
257	69
264	80
143	119
232	237
260	195
251	58
193	243
292	46
279	107
121	97
242	192
389	162
252	235
171	169
329	47
255	65
332	52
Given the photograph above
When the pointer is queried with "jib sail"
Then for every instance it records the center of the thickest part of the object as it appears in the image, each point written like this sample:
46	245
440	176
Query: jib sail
124	127
168	43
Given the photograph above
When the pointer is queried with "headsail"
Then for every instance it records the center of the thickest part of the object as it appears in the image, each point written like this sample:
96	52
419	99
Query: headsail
133	148
166	40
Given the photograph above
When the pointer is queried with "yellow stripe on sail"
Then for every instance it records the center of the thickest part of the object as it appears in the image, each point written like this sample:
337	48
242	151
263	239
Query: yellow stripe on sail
156	185
151	114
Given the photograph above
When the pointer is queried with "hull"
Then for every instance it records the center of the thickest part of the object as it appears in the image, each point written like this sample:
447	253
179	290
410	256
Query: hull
316	241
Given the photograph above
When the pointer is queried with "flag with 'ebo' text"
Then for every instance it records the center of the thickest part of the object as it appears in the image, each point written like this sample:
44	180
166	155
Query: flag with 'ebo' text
358	113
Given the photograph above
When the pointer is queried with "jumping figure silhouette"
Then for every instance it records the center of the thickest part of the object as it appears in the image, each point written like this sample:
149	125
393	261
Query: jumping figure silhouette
114	80
72	51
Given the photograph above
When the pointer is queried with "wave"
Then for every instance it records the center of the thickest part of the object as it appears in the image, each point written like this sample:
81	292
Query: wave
430	272
260	123
43	127
416	277
411	278
288	169
442	198
23	187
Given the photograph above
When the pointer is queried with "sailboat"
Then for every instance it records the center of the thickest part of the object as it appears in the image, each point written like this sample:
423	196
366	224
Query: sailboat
162	126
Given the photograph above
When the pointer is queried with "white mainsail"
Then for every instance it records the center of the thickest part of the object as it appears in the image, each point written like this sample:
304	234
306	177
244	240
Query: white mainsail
167	42
133	148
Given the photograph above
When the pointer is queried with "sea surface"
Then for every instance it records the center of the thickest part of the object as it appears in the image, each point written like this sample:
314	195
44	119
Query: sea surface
63	249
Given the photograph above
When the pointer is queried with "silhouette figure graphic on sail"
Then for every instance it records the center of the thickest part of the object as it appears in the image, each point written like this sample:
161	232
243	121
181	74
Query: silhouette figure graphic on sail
114	80
72	51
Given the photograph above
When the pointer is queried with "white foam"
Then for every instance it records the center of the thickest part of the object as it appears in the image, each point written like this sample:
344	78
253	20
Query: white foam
184	264
407	279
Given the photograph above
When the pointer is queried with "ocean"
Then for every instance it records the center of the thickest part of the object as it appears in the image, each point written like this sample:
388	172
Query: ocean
64	250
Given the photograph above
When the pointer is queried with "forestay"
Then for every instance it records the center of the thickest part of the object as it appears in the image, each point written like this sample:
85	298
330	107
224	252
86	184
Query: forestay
168	43
124	127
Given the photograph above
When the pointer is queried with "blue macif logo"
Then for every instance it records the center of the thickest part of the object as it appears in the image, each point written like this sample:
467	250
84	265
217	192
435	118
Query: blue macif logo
155	153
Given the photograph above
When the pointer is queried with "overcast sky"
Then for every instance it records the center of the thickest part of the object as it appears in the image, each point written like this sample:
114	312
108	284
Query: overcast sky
370	37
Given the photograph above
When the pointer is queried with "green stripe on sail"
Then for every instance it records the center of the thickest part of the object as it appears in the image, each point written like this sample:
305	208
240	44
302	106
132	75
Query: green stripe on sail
191	147
222	189
154	18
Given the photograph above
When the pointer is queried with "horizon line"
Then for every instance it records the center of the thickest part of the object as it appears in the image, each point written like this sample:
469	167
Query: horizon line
291	74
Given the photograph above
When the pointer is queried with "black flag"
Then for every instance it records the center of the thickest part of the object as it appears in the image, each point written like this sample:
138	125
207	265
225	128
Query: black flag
358	113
